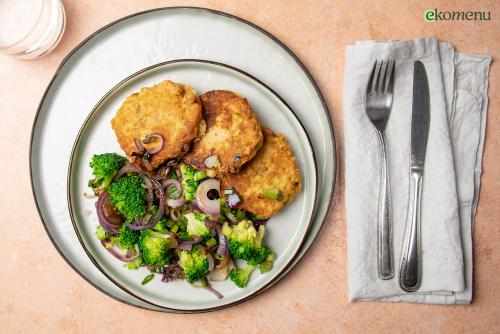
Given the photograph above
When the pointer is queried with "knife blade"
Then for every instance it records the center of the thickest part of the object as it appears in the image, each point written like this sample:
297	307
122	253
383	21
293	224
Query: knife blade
420	116
410	275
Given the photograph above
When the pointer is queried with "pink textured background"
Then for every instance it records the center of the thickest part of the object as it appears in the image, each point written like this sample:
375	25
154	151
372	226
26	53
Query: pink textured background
40	293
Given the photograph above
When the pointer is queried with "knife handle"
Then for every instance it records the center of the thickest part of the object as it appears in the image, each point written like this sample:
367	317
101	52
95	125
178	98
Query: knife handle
384	242
410	275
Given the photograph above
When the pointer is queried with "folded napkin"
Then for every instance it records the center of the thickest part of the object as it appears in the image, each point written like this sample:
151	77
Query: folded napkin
458	94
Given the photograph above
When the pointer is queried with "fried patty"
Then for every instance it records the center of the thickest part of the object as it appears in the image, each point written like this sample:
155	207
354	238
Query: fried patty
274	167
233	132
171	109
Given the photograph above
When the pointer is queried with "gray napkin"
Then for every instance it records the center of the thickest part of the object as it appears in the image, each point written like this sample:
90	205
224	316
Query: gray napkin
458	87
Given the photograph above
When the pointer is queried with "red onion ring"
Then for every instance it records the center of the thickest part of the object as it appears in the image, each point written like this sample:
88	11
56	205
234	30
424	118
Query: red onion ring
139	145
116	254
189	243
103	221
210	262
128	168
185	246
149	139
222	250
174	203
209	206
212	290
211	223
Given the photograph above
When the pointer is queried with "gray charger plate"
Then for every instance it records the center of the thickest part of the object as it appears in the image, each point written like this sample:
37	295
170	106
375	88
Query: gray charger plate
138	41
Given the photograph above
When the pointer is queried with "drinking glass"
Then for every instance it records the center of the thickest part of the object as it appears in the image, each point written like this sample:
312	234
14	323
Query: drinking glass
30	29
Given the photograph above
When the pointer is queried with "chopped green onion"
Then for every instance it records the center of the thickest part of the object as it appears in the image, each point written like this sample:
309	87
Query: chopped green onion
229	191
211	242
173	192
148	279
266	266
273	193
240	214
200	175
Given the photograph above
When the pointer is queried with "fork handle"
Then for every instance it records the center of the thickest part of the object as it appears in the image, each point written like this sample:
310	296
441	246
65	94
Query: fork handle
384	252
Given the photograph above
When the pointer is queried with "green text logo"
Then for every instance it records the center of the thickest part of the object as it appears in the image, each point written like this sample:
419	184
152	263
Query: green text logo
433	15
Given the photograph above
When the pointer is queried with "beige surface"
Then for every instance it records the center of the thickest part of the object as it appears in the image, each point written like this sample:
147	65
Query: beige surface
40	293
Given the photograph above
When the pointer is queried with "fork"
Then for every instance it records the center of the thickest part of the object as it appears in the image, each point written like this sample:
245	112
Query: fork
379	92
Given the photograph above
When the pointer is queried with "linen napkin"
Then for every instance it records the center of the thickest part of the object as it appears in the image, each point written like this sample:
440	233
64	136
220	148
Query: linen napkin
458	94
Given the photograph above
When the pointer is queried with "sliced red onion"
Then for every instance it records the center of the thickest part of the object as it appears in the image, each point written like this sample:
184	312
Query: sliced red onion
210	262
211	161
258	223
139	145
103	221
128	168
161	174
233	200
161	201
149	139
209	206
174	203
211	223
117	254
212	232
194	206
222	249
212	290
185	246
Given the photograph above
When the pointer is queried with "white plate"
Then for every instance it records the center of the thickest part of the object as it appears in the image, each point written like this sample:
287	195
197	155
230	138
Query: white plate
286	231
140	40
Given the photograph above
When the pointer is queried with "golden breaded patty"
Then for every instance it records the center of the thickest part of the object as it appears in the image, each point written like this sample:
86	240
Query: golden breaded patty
233	132
170	109
274	167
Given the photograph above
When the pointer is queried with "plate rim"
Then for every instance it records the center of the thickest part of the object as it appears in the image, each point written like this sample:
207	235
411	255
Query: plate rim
173	8
71	170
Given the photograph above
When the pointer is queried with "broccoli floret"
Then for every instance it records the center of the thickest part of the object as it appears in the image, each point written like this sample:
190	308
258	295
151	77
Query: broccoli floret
127	238
101	233
129	197
240	276
189	185
200	175
156	247
268	263
194	263
104	168
245	243
161	226
196	225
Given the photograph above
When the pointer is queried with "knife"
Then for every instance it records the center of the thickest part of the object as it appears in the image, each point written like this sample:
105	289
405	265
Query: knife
410	275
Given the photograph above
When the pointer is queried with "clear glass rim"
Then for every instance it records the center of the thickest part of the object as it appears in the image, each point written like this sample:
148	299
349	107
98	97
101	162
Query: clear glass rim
39	17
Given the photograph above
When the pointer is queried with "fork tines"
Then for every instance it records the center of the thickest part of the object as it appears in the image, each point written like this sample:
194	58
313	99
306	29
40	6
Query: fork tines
383	73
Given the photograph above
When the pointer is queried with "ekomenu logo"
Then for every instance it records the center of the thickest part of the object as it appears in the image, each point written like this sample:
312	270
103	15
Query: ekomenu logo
432	15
